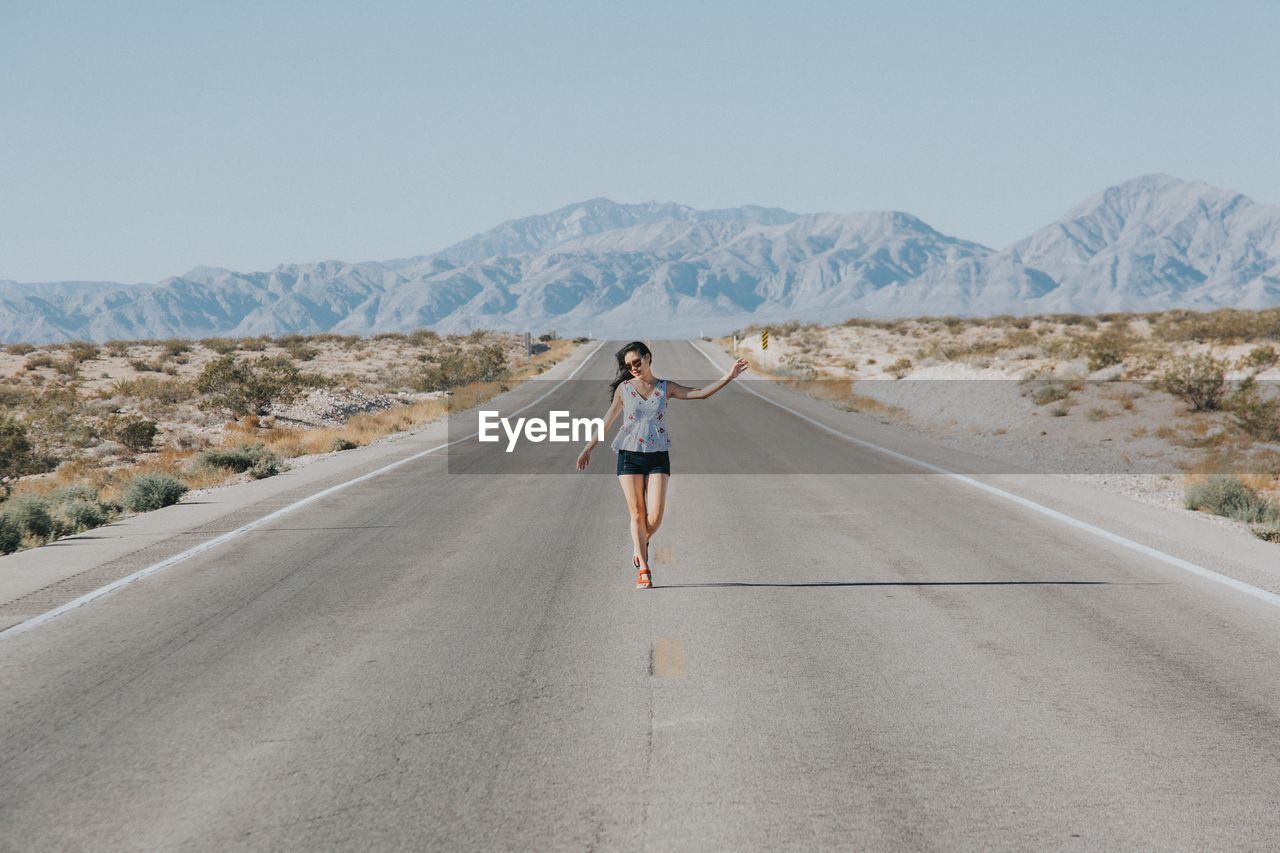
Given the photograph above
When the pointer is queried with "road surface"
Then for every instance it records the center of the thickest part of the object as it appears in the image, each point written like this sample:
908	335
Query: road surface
440	659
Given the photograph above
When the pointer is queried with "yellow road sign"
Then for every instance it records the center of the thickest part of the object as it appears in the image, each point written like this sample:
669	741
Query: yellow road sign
764	339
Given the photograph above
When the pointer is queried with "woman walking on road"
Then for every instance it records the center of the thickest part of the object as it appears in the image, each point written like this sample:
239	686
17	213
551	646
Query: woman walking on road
642	442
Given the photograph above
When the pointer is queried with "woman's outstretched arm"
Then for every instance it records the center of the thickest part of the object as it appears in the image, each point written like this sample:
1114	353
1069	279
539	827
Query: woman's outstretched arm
684	392
615	409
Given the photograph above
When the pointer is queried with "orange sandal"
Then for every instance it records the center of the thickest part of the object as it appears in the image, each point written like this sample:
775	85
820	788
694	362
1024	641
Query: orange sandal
644	580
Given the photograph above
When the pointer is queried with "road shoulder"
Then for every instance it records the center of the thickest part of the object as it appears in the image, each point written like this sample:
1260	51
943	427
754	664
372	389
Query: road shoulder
37	580
1193	537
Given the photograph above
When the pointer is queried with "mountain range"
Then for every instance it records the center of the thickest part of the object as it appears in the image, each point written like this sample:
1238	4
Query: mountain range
666	270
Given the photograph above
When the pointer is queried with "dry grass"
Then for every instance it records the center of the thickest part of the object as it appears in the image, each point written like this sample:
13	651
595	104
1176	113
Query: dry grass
359	430
870	405
1261	473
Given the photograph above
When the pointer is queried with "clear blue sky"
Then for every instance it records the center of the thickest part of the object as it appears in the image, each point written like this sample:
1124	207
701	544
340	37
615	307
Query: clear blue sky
143	138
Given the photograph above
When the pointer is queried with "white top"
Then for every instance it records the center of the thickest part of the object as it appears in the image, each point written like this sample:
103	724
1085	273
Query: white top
642	427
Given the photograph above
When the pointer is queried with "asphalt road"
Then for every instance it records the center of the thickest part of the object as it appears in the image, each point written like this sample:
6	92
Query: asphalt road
443	659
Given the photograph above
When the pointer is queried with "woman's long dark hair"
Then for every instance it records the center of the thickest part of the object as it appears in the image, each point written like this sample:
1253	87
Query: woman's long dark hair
624	373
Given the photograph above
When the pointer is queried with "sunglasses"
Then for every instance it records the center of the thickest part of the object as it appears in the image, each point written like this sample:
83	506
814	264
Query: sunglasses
634	365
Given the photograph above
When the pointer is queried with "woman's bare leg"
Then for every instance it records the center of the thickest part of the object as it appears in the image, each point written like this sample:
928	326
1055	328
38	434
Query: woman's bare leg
633	490
655	501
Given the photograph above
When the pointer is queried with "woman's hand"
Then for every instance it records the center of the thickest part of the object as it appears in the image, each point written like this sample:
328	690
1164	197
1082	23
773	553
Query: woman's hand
584	459
738	367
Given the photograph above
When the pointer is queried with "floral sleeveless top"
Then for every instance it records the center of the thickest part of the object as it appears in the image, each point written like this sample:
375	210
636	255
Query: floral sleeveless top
643	427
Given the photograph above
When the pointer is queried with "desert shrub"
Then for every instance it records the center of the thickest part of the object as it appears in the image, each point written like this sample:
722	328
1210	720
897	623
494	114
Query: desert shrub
808	340
1020	337
174	347
133	432
146	492
1225	495
1269	532
239	458
39	360
1198	381
187	439
222	346
117	348
73	492
248	388
418	337
30	513
10	536
946	350
1226	325
1260	357
77	515
1049	394
67	367
1109	347
330	338
341	443
488	364
298	348
268	466
899	368
549	336
796	366
154	389
1253	413
1098	414
19	348
82	351
56	418
14	394
15	451
144	366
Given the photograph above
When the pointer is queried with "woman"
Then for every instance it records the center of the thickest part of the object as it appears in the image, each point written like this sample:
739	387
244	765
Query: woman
642	442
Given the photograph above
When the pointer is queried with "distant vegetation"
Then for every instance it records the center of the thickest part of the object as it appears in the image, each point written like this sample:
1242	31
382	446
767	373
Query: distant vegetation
89	432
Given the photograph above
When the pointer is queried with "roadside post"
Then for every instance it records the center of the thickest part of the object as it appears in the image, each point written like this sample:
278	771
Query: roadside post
764	346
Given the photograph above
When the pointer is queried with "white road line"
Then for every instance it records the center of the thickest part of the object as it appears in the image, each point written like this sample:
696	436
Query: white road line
1186	565
36	621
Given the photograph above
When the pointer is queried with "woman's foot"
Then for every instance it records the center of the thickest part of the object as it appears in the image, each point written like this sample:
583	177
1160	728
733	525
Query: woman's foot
644	580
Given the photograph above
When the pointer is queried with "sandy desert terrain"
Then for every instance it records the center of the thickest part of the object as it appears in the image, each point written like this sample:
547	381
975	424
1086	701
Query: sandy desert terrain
1114	400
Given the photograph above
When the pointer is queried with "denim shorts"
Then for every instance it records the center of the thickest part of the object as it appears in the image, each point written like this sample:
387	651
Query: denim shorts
642	462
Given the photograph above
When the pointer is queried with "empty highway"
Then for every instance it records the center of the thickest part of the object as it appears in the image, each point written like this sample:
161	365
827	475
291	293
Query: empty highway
841	651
